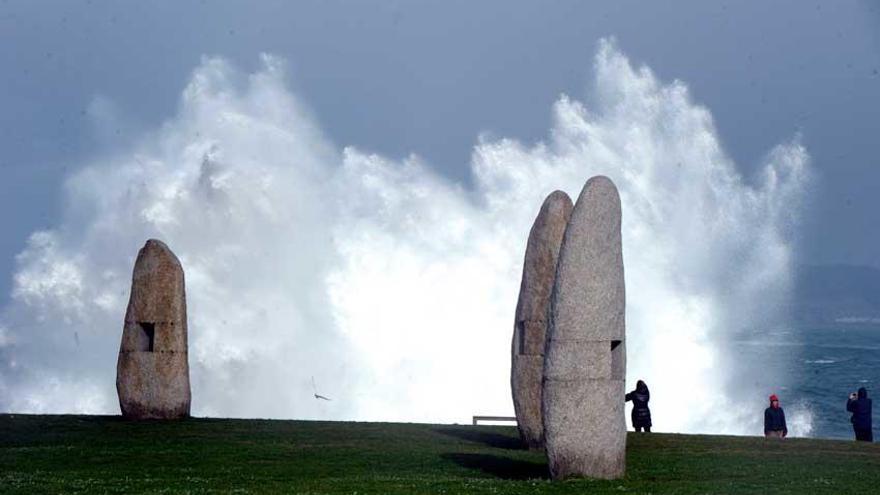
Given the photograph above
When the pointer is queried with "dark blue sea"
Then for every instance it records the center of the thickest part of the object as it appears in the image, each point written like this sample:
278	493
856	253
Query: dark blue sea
815	370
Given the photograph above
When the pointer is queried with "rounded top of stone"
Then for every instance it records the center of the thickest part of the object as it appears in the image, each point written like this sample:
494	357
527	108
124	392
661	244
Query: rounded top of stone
589	297
602	185
156	251
542	251
551	220
158	285
156	245
558	195
557	203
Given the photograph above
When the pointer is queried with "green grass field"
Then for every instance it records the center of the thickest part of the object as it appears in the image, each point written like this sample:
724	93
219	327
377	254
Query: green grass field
101	454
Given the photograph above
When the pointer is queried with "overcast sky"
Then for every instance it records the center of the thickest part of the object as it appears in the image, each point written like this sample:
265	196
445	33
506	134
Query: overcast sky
427	78
349	187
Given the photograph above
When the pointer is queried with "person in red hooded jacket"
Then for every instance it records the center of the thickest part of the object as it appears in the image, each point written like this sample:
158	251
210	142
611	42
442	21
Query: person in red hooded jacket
774	420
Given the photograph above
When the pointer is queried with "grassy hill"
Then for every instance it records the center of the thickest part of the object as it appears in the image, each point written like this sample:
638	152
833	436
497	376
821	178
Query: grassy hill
100	454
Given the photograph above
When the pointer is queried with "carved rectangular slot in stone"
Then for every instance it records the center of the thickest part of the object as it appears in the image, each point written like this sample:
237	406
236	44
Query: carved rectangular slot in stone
521	337
146	336
617	368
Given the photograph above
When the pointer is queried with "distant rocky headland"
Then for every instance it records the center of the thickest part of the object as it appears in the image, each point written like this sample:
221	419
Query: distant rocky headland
836	295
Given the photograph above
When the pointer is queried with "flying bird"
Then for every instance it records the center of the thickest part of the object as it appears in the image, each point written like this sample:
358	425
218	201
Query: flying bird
317	395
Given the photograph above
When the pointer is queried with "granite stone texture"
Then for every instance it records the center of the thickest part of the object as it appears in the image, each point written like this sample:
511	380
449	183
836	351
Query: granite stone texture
585	355
530	322
152	373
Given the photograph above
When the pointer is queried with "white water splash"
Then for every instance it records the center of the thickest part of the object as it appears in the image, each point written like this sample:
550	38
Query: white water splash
390	285
799	419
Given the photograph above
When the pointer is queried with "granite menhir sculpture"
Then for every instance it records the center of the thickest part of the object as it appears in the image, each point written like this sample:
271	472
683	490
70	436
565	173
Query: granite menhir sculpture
152	374
585	363
530	324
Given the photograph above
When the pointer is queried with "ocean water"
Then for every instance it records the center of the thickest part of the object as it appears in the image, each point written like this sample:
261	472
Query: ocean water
816	368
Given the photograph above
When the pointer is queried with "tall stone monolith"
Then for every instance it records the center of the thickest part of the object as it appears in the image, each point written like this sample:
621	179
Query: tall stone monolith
530	323
152	374
585	362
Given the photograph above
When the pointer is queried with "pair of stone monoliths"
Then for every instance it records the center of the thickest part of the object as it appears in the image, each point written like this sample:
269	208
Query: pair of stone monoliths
152	373
569	353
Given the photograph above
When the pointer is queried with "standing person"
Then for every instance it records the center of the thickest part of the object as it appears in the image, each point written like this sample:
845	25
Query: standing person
641	415
860	406
774	420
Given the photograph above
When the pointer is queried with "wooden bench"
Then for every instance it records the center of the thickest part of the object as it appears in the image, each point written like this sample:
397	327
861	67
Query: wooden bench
477	419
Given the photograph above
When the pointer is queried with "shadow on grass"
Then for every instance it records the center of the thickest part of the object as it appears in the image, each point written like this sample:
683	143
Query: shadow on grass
494	440
500	467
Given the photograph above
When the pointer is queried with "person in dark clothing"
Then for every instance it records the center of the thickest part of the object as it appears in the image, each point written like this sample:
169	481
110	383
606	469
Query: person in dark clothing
641	415
860	406
774	420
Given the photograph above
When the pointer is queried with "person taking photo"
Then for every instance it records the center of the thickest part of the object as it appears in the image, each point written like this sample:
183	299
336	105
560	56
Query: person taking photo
860	406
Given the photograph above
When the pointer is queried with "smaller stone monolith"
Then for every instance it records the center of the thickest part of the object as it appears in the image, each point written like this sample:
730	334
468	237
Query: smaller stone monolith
530	323
152	373
585	362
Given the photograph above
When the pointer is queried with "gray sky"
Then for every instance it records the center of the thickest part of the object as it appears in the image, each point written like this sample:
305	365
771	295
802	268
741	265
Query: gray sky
428	77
